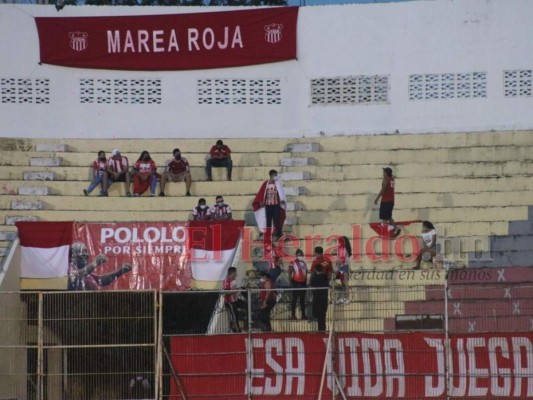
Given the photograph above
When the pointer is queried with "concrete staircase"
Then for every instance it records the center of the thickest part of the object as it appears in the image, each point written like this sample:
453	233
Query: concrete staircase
469	185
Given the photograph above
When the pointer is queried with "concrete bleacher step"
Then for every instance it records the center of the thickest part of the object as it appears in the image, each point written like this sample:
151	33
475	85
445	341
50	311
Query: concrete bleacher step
521	227
7	236
508	258
472	307
114	216
83	173
447	185
323	158
425	141
511	242
404	156
455	231
85	159
338	143
297	161
325	173
59	148
303	147
38	176
444	214
46	161
27	205
495	324
34	191
12	219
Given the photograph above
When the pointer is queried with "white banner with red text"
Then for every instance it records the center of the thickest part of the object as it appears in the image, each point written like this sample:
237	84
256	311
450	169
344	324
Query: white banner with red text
399	366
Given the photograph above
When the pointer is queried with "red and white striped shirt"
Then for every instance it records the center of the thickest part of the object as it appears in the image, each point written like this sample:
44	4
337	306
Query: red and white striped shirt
230	284
99	166
220	212
118	164
299	269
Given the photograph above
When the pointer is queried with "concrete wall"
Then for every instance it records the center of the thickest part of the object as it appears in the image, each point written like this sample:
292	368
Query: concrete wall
395	41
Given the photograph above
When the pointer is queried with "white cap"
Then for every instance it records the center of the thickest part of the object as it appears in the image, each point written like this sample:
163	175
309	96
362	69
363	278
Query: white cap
115	152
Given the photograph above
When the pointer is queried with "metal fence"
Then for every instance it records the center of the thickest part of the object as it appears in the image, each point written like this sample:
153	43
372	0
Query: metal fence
121	345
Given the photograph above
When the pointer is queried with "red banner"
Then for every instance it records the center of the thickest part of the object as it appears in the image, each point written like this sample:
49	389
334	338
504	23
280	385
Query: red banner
140	255
411	365
170	42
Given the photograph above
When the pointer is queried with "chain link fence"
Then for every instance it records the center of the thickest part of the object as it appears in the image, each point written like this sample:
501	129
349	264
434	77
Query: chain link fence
132	345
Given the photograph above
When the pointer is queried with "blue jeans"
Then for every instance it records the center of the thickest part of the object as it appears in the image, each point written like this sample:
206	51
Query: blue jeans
217	163
97	181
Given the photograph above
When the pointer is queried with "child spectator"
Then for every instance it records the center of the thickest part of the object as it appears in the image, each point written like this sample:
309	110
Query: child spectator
298	278
144	173
219	156
428	249
268	301
220	210
99	168
344	253
231	299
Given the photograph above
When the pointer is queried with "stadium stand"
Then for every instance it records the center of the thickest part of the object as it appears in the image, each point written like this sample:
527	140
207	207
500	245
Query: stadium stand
474	187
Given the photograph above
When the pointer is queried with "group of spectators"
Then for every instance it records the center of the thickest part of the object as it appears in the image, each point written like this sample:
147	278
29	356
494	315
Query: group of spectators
143	173
319	276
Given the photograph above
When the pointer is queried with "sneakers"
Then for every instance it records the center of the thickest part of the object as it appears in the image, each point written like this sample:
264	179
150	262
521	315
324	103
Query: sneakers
161	194
396	233
229	178
85	192
209	179
188	194
128	194
103	194
152	194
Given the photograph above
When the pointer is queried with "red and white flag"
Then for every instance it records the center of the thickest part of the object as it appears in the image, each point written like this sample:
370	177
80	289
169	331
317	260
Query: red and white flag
212	247
44	248
259	208
386	231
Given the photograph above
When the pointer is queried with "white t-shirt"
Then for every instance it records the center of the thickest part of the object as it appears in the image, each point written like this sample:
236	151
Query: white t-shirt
427	237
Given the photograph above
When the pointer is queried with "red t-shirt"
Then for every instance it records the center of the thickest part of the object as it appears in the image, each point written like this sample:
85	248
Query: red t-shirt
178	166
388	193
267	295
145	167
327	267
223	151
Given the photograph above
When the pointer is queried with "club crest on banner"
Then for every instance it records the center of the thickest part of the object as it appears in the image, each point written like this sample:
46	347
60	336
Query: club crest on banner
78	40
273	33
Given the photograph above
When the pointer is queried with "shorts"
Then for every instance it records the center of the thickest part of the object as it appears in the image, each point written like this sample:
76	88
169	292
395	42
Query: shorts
121	177
385	210
176	177
342	273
